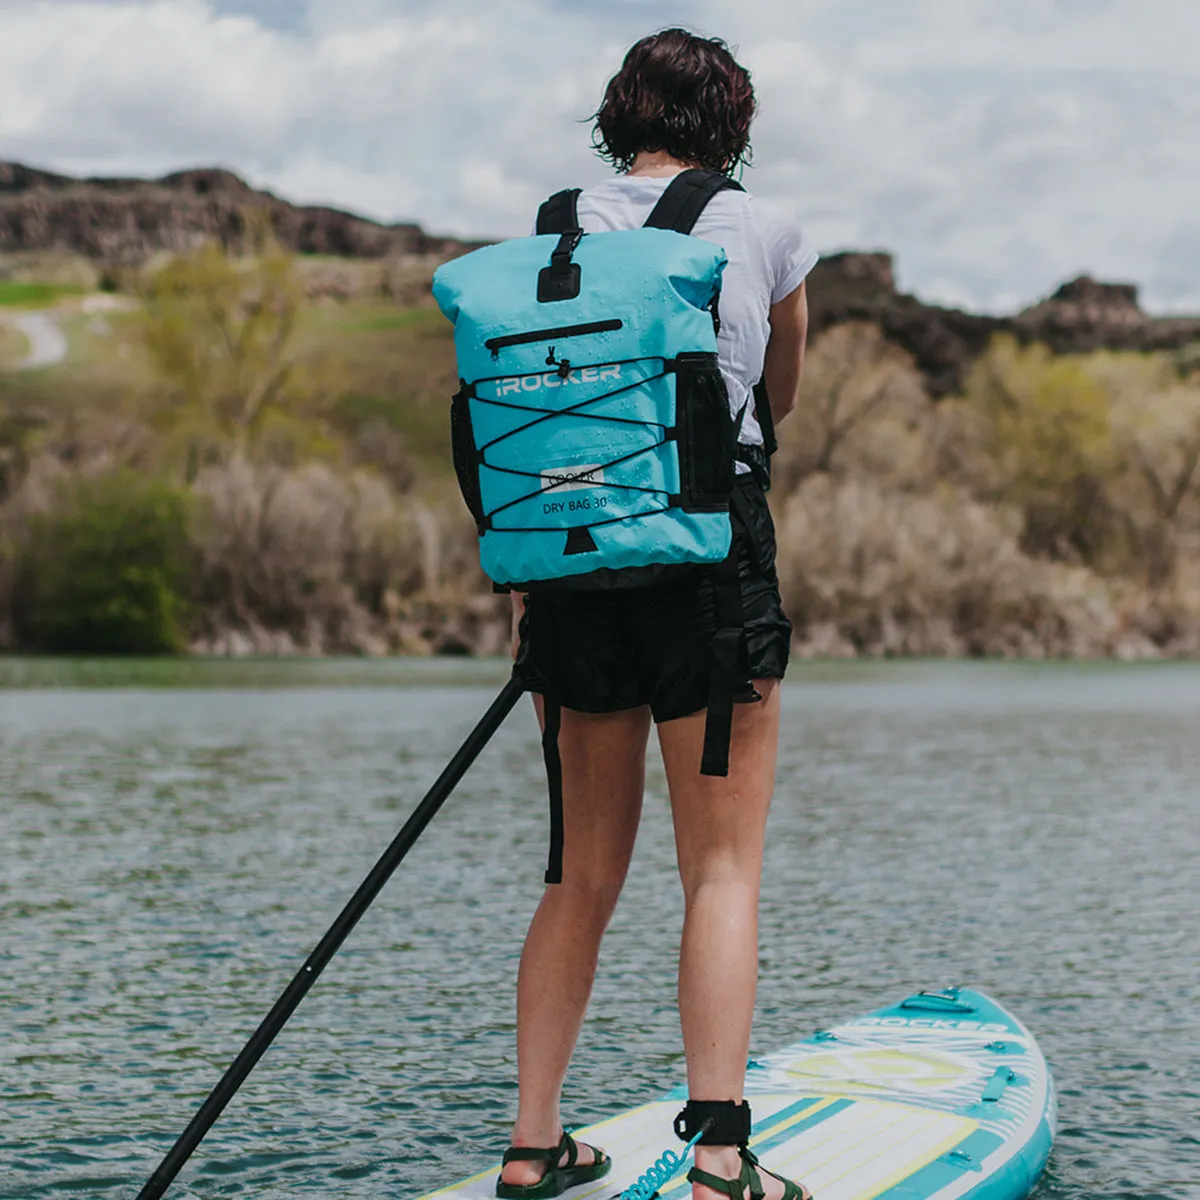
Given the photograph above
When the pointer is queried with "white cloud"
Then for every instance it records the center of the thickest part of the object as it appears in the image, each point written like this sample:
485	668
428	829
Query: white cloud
997	148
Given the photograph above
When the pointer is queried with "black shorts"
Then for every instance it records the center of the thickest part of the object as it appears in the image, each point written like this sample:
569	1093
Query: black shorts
628	647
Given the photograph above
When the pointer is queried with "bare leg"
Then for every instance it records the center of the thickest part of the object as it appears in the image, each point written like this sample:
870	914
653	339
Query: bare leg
720	826
604	762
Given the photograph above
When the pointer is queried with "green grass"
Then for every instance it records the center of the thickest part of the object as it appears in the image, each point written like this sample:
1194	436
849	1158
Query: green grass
14	346
367	316
421	421
396	365
34	295
390	362
401	318
46	671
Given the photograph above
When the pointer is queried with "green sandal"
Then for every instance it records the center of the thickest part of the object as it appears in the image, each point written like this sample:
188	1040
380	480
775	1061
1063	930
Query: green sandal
557	1178
749	1178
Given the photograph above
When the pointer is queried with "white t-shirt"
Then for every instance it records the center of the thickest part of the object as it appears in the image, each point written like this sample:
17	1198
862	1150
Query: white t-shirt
769	256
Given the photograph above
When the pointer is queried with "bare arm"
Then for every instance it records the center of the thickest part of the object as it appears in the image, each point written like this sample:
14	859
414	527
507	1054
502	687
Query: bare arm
784	361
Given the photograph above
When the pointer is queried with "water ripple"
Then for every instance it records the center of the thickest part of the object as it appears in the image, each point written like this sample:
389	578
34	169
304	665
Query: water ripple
172	855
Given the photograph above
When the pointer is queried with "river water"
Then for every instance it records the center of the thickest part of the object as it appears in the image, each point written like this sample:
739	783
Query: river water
177	836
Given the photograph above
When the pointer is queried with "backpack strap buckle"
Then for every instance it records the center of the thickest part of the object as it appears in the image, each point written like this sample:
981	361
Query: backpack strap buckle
562	279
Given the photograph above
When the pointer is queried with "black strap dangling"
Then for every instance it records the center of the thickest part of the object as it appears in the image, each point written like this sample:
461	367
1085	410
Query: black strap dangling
552	718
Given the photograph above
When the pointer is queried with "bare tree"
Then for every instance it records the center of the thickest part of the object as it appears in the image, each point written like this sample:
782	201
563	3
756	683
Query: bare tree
221	331
1160	435
851	375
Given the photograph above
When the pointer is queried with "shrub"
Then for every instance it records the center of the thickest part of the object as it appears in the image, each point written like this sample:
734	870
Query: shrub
864	571
327	561
1156	425
857	390
1050	447
104	570
221	332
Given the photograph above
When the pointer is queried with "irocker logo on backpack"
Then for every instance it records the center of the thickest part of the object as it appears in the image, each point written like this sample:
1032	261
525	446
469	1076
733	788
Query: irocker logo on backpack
554	379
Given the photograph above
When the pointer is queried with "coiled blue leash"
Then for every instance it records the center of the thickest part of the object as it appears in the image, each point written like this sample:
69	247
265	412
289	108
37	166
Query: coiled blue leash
667	1167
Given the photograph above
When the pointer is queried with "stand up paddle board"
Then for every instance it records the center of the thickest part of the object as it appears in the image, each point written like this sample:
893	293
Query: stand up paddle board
944	1095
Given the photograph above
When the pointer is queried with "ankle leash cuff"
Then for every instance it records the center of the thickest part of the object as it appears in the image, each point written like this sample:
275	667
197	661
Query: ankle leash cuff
716	1122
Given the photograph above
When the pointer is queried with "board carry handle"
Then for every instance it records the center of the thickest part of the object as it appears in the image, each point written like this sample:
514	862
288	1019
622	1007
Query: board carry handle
1001	1078
947	1001
962	1160
328	946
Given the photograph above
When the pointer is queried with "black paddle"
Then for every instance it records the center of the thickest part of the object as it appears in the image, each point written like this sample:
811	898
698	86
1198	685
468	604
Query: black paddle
328	946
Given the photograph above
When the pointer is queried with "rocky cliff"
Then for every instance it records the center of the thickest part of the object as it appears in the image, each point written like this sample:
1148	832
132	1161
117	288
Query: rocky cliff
1082	316
127	220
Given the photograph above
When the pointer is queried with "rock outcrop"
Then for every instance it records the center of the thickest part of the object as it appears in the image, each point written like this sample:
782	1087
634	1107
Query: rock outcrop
1086	315
1081	316
862	287
127	220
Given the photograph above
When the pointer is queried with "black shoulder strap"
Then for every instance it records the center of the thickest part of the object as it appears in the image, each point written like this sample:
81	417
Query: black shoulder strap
765	417
686	197
559	214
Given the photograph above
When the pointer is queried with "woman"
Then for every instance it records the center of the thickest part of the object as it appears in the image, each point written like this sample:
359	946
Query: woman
679	101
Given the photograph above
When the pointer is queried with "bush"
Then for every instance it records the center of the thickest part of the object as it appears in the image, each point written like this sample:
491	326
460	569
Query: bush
862	403
1050	448
866	571
324	561
105	570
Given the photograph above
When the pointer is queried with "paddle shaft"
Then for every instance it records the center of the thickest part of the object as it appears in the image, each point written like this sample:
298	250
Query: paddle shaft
328	946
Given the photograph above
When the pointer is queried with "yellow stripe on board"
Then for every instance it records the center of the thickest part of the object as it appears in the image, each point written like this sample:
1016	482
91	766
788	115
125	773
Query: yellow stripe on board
462	1183
794	1119
766	1134
904	1173
804	1156
630	1115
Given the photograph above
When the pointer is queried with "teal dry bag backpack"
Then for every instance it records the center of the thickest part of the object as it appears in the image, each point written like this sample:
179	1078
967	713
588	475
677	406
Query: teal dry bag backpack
592	435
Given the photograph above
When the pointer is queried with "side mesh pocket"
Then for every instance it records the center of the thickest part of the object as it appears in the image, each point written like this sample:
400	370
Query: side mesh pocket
466	455
706	433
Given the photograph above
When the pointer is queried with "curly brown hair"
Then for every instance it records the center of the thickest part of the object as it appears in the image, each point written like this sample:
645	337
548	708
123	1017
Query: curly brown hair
680	93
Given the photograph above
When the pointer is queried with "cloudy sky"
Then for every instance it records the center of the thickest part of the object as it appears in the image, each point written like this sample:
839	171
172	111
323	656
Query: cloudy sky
996	146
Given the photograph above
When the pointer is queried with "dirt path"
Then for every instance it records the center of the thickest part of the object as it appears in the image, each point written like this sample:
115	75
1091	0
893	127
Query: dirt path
47	342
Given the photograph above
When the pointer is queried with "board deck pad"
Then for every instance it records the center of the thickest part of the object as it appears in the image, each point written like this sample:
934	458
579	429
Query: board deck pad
943	1095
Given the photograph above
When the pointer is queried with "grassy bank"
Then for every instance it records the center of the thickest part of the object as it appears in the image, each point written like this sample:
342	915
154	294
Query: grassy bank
33	295
14	346
253	457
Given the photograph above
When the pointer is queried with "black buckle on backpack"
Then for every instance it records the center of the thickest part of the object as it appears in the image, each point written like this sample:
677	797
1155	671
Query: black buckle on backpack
562	279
